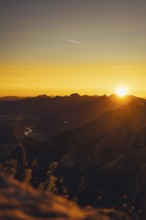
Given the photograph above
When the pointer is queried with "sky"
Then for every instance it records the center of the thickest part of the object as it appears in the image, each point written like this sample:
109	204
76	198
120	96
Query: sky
58	47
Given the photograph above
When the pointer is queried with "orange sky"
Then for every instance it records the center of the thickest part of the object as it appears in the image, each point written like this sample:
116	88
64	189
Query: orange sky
61	47
65	79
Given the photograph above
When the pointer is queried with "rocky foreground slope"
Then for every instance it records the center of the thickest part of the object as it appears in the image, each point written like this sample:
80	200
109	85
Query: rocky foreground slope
20	202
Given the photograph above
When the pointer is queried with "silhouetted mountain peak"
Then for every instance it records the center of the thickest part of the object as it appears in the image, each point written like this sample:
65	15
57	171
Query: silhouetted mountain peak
74	95
44	96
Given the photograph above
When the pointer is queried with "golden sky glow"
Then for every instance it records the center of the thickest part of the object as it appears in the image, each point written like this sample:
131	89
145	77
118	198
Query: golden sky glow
84	78
60	47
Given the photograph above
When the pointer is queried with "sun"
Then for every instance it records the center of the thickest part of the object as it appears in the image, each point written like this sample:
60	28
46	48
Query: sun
121	91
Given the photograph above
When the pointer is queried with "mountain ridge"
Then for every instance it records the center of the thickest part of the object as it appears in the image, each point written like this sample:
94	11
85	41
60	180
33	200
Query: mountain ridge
99	162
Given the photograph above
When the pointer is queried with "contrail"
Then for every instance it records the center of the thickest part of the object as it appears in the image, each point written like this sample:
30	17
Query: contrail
73	41
120	67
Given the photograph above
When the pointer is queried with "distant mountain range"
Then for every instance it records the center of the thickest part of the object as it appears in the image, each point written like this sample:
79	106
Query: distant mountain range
73	110
9	98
